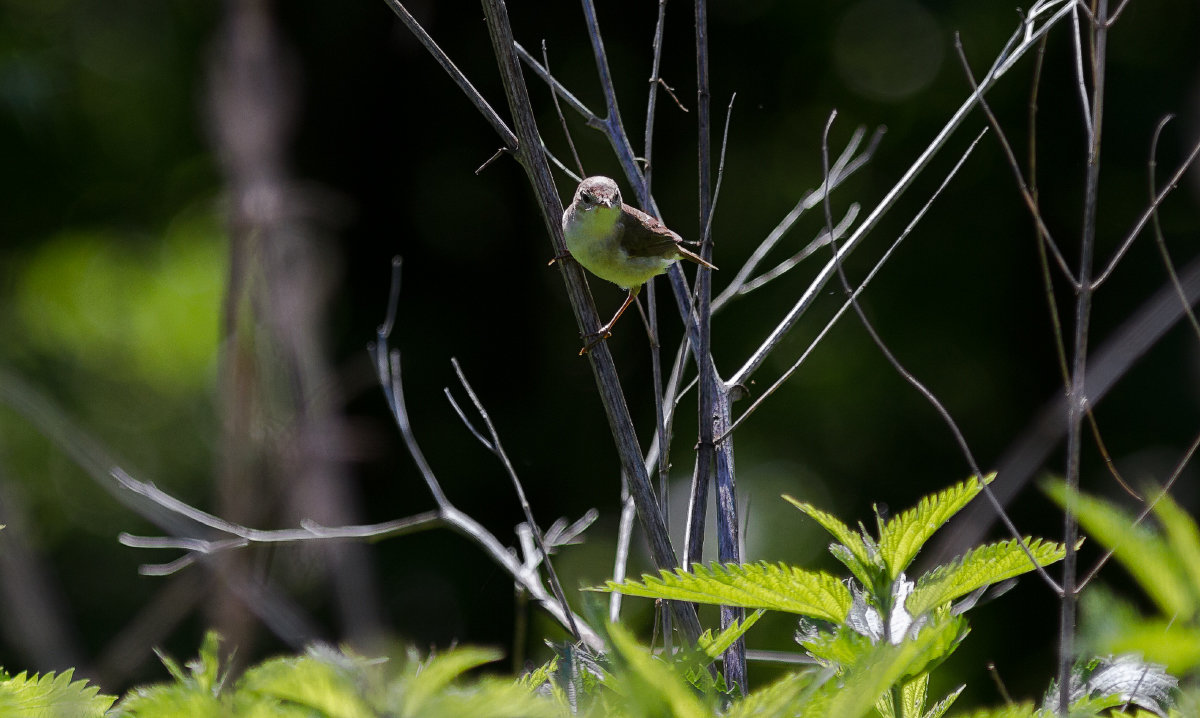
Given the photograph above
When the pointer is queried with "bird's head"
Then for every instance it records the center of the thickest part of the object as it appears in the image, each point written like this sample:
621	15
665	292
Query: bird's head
596	192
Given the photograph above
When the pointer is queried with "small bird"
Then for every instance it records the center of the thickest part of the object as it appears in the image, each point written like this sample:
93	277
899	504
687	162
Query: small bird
619	243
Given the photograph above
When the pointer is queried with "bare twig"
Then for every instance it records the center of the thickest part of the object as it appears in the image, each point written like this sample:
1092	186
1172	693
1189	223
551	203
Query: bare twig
562	120
1166	488
1159	240
861	287
1022	187
959	438
1024	39
496	448
1146	215
847	163
1077	397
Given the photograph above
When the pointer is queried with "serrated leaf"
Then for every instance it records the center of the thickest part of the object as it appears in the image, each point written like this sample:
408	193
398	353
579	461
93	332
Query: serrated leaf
937	710
777	587
172	699
785	697
847	558
884	666
901	538
442	669
51	695
714	647
912	696
847	537
981	566
305	681
1143	553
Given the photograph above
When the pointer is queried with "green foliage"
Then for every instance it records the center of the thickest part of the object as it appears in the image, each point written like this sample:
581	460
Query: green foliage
1164	559
874	647
880	639
758	585
50	696
979	567
326	683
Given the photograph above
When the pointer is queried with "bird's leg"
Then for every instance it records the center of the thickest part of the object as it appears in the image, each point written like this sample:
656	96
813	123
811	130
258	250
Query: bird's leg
605	331
558	258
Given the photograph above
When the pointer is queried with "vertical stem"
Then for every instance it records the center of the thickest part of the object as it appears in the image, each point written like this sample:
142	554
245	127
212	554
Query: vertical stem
1077	402
714	401
533	160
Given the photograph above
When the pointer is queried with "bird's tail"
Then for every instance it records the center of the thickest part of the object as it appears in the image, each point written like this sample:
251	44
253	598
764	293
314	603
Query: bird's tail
693	257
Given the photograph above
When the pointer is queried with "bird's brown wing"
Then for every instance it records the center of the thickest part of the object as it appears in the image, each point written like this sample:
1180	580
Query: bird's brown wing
644	236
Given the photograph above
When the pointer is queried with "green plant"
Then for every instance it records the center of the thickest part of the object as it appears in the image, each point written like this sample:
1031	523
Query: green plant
881	633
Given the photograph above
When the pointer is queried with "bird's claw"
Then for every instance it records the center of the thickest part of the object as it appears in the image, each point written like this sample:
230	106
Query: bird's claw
596	338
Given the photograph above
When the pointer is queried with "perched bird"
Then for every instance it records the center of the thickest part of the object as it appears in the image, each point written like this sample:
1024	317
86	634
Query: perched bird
619	243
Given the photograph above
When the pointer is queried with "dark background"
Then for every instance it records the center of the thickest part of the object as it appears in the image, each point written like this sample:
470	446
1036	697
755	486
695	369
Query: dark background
116	257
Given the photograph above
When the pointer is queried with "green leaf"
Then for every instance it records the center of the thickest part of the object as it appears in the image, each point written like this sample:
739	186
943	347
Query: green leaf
939	709
1183	537
912	696
754	585
51	695
439	671
304	681
1143	553
902	537
860	560
714	647
1018	710
787	696
979	567
883	667
650	686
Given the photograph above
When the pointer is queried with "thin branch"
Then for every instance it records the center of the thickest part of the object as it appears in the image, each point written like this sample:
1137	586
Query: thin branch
498	449
1077	398
1022	186
600	358
562	120
924	391
1147	215
1027	455
1158	234
809	250
846	164
1021	41
1175	474
858	290
506	135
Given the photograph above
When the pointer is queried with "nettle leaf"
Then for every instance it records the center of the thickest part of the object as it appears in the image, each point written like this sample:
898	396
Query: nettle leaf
860	559
51	695
649	683
937	710
785	697
777	587
714	647
882	667
439	671
1112	681
903	536
980	567
1143	553
304	681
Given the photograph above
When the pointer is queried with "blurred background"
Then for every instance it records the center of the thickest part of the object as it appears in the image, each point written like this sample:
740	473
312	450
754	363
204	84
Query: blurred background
200	203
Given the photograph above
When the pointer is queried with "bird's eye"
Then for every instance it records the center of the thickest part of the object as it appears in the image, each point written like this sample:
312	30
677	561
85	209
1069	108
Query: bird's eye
587	197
